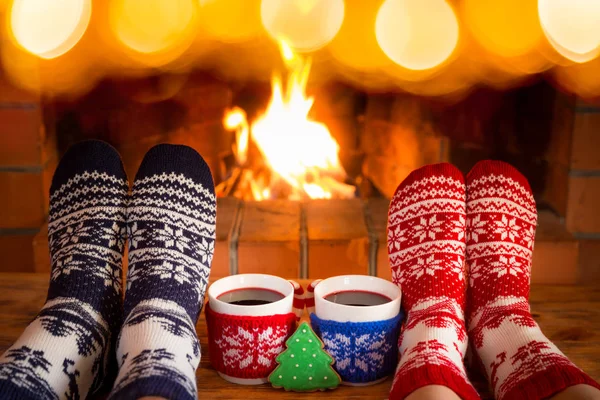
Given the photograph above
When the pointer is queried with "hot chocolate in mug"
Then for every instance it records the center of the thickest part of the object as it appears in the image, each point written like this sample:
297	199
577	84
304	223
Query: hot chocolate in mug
358	319
249	318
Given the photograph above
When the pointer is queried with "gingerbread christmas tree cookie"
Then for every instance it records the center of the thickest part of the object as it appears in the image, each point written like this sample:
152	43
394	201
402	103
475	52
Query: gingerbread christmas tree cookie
304	366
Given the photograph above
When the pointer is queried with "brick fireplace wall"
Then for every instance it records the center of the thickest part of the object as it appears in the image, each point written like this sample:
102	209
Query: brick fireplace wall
28	157
576	176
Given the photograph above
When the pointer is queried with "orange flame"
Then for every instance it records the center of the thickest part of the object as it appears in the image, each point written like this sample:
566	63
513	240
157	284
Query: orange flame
236	119
300	152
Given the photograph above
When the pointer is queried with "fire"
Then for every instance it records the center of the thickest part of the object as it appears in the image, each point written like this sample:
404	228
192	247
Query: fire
300	152
236	119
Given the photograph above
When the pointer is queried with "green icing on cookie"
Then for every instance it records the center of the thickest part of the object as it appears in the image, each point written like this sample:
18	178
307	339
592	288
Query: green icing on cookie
304	366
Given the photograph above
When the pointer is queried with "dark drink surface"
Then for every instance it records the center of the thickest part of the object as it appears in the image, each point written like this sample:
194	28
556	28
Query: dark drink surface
250	297
357	298
250	302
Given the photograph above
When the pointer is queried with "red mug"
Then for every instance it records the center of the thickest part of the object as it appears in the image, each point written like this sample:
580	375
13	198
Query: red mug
249	319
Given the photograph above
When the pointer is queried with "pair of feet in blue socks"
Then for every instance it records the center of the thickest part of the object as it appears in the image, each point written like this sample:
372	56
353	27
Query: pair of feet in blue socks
85	333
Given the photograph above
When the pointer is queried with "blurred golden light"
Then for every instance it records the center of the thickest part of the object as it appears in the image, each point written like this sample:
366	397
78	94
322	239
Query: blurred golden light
582	79
153	26
417	34
572	27
49	29
307	25
509	28
231	20
356	45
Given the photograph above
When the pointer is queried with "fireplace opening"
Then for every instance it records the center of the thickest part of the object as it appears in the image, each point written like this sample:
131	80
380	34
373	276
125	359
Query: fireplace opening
313	204
370	140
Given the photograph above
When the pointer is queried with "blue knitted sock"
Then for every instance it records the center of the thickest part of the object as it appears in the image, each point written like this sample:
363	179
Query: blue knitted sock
171	226
65	350
363	351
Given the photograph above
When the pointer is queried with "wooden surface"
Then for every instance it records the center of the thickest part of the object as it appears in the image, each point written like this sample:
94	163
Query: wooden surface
568	315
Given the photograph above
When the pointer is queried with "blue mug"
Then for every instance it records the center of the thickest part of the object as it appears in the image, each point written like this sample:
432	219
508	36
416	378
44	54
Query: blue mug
358	319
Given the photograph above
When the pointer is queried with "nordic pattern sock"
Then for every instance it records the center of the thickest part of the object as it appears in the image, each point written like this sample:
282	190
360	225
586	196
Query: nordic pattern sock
171	225
246	346
520	362
363	351
65	351
426	246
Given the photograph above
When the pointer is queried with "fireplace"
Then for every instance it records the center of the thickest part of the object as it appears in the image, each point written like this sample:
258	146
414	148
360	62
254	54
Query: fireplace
382	136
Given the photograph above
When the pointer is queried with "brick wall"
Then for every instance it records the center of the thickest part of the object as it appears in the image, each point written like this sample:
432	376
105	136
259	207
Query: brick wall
27	161
574	183
582	213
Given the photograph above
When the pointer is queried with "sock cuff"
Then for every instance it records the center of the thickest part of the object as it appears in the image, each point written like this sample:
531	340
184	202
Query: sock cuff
370	346
28	386
544	384
431	374
254	336
158	386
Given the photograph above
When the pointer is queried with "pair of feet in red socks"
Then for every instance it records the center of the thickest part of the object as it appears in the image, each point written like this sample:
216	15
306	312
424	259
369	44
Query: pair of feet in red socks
435	224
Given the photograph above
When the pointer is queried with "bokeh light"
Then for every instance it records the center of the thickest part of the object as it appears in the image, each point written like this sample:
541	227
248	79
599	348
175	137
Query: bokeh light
231	20
49	29
417	34
572	27
307	25
509	28
356	45
154	27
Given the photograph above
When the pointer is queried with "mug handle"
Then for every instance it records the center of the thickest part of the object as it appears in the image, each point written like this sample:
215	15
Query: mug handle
310	296
298	304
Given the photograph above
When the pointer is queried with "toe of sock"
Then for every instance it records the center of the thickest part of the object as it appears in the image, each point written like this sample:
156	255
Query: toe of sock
90	156
177	159
428	171
494	167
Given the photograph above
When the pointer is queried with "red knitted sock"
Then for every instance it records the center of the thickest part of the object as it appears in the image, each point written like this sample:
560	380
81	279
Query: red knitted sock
244	346
520	362
426	246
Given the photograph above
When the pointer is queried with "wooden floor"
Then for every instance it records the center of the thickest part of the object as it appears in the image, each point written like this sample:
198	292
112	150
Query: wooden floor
568	315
